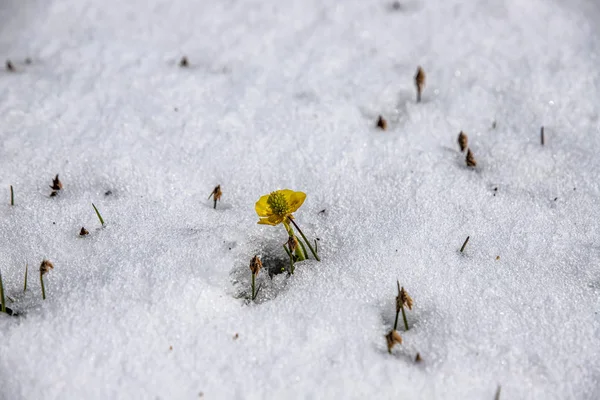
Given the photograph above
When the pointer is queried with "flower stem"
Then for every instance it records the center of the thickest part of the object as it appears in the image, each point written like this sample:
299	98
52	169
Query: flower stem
253	283
2	301
396	320
291	259
25	284
404	318
43	288
12	195
215	206
305	240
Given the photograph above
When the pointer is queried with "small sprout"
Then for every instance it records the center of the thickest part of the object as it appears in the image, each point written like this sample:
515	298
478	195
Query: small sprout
418	358
470	159
393	338
56	184
83	232
12	196
465	244
98	214
255	266
542	135
419	82
9	66
25	283
402	300
381	123
463	141
45	267
216	195
184	63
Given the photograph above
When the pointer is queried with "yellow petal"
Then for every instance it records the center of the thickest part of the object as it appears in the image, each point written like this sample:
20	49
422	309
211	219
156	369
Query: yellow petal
261	206
295	200
271	220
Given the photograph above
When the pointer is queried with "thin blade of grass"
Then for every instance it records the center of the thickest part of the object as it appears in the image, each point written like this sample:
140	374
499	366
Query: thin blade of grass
98	214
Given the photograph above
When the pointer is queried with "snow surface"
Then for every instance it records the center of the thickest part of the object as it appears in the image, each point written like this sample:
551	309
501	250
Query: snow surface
285	94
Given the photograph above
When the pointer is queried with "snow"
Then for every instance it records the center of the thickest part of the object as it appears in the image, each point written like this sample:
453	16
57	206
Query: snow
286	95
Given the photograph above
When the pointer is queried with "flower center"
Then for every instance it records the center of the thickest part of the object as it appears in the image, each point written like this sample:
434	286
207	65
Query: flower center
278	203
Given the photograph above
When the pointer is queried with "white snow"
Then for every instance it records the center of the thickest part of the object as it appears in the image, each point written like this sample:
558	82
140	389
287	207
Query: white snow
285	94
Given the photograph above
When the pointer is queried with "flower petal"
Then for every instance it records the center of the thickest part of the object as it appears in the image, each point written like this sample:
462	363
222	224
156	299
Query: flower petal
295	200
271	220
261	206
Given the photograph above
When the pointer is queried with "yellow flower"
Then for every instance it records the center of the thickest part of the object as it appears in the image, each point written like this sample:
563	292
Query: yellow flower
275	208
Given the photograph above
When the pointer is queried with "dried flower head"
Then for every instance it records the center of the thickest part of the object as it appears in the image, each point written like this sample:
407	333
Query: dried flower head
292	243
463	141
184	63
393	338
403	299
255	265
56	183
419	82
83	232
216	193
381	123
470	159
9	66
45	266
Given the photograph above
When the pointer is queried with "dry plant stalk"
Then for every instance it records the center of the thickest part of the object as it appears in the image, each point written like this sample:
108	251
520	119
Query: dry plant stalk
255	267
45	267
542	135
216	195
419	82
463	141
470	159
381	123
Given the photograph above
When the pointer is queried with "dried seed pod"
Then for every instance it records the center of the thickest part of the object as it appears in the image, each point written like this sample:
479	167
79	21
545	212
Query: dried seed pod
56	184
405	299
292	243
184	63
83	232
470	159
381	123
393	338
463	141
419	82
255	265
45	266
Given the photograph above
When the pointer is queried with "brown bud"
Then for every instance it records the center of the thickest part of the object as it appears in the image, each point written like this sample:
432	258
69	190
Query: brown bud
255	265
393	338
470	159
45	266
418	358
463	141
184	63
381	123
405	299
292	243
56	183
83	232
419	82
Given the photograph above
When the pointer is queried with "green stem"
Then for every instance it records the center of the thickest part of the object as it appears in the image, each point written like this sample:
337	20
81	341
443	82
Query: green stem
404	318
12	196
301	251
253	283
98	214
43	288
396	321
25	284
305	240
291	259
2	301
215	206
